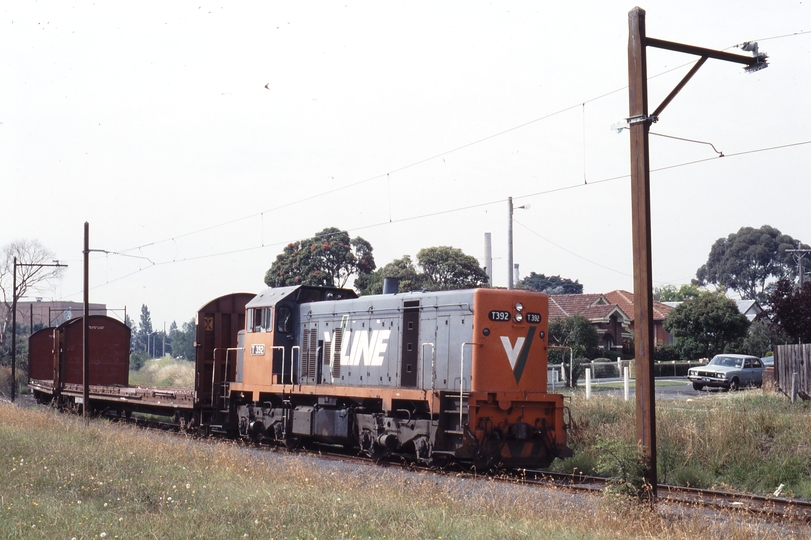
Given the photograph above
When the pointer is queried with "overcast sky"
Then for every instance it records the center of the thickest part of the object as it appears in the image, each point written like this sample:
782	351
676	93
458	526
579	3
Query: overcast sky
198	139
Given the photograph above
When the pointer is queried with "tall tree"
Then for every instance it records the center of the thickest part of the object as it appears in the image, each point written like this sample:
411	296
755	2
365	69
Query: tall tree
707	325
448	268
550	285
403	269
329	259
142	336
745	261
183	339
30	254
30	276
669	293
788	311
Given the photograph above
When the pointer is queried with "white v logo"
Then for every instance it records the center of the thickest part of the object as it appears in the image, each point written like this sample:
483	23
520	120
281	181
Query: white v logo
512	352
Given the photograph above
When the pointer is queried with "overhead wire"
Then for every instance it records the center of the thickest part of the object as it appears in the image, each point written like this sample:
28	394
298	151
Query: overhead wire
445	153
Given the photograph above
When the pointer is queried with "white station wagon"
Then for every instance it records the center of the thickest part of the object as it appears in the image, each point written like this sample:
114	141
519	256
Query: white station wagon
730	371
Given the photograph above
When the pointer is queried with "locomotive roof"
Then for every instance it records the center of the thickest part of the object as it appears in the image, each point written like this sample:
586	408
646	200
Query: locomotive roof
460	299
300	293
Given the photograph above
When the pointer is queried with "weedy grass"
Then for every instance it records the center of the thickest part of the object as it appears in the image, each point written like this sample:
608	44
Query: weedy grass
62	478
749	441
164	372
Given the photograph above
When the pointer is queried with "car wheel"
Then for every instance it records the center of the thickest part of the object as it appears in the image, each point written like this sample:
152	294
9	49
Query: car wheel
734	384
697	386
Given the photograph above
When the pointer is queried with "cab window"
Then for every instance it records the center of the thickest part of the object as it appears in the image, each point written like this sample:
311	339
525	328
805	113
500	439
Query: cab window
260	319
284	320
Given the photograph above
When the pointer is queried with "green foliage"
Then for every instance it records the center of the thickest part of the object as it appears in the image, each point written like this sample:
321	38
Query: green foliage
789	311
667	351
183	340
137	360
669	293
760	339
403	269
625	464
448	268
578	333
328	259
141	337
550	285
746	260
444	268
706	325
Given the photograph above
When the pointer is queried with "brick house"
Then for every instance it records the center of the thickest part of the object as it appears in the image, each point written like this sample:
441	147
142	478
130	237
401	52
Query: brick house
612	314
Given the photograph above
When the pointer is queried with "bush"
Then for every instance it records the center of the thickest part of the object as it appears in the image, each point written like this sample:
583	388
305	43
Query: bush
666	352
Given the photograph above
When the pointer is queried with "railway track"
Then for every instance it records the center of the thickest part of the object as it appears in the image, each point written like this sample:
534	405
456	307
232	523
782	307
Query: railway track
748	504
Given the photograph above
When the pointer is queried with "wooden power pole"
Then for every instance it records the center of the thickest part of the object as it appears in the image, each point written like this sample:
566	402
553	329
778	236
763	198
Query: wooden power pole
639	123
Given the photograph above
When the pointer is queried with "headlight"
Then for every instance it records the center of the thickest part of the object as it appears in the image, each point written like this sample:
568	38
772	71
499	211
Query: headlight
518	317
519	306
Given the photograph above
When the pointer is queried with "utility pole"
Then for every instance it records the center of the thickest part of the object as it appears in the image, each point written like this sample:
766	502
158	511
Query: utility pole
639	125
510	266
800	253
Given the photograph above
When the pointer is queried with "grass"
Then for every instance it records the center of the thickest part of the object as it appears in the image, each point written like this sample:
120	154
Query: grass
164	372
750	441
60	478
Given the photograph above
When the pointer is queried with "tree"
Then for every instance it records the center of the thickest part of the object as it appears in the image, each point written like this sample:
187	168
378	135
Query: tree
30	255
578	333
448	268
550	285
707	325
328	259
746	260
183	340
669	293
141	338
788	311
403	269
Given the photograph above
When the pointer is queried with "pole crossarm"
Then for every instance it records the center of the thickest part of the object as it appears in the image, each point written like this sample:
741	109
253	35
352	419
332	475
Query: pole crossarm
701	51
705	54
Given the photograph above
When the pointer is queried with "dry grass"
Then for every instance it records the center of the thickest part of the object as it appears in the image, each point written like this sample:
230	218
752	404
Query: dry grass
742	441
164	372
62	479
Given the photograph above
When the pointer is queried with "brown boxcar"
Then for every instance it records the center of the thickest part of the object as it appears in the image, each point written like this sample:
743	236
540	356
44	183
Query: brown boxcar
218	326
42	354
109	351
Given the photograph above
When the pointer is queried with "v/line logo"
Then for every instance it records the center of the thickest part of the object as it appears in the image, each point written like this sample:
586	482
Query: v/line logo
517	354
367	348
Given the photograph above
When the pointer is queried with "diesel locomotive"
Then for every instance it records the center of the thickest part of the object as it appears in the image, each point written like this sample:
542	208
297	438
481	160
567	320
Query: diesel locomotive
436	376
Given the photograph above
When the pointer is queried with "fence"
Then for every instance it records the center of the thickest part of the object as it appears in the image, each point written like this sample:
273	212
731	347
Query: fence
791	370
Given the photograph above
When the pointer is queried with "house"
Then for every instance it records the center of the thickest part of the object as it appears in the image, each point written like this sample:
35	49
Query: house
750	308
612	314
611	322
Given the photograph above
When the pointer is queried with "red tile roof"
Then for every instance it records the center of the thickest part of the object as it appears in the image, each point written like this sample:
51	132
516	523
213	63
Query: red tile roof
625	300
599	306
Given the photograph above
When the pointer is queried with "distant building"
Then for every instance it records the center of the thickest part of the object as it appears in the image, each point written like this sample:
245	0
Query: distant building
749	308
50	313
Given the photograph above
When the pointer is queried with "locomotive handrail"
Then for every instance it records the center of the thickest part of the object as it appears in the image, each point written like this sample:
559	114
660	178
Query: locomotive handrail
273	348
214	367
462	377
292	357
433	374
